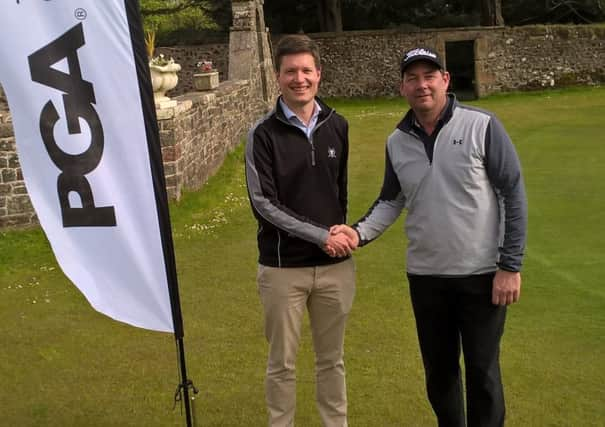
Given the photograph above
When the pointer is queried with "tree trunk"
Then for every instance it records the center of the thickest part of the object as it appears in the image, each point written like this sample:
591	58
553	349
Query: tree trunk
491	13
330	16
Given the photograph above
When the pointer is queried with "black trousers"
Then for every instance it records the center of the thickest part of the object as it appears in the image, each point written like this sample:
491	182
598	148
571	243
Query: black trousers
452	313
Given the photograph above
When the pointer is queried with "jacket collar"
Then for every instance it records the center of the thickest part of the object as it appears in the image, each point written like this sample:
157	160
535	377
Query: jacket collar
323	113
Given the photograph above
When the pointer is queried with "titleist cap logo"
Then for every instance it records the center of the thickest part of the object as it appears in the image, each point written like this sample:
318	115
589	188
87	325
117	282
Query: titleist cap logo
420	51
420	54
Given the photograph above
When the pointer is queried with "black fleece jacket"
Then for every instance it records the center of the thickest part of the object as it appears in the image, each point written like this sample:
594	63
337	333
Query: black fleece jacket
297	186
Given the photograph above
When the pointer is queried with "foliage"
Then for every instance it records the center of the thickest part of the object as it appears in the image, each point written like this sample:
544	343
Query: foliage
63	364
150	42
292	16
554	11
289	16
198	21
409	14
161	60
165	17
363	15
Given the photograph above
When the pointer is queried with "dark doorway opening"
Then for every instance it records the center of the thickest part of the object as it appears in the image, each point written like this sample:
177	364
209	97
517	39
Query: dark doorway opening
460	62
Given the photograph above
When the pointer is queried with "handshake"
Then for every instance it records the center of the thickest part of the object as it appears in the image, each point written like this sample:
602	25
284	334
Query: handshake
342	241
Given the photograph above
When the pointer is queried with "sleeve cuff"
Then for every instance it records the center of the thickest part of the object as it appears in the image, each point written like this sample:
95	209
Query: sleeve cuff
508	268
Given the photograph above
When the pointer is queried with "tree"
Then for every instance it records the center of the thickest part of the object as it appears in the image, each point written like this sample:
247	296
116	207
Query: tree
491	13
330	15
309	16
518	12
292	16
185	21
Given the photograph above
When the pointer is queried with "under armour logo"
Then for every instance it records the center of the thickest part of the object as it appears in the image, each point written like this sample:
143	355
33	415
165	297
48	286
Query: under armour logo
457	141
331	153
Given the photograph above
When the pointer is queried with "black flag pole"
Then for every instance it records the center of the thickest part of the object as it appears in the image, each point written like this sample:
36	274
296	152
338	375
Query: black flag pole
159	186
185	385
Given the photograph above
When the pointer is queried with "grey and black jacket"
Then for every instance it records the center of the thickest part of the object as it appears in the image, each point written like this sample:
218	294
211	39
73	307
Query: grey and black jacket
297	186
463	191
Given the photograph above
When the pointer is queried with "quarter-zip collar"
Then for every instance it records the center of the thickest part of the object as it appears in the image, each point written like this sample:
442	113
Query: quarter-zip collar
410	125
296	121
324	113
409	122
321	115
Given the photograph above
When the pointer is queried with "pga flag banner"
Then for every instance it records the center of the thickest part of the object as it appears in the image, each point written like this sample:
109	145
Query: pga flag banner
76	79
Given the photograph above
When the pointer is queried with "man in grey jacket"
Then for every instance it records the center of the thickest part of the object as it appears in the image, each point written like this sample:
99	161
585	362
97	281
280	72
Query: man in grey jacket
455	170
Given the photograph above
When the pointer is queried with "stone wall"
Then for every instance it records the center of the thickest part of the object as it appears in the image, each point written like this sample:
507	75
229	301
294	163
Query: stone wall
250	53
366	63
198	133
15	206
540	56
3	103
188	56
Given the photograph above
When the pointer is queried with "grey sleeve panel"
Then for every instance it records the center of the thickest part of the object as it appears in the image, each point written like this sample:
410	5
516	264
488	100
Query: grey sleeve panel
263	195
385	210
504	172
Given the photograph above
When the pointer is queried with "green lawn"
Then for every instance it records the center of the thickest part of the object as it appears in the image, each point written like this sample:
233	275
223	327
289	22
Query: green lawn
64	364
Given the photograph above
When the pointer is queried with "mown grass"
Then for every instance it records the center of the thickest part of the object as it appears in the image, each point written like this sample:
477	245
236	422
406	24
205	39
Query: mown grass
63	364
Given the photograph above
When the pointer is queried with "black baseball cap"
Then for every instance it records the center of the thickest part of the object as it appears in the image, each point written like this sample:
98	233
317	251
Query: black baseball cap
420	54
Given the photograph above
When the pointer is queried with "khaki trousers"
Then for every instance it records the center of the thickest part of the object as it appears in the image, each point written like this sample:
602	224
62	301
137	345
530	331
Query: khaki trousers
327	292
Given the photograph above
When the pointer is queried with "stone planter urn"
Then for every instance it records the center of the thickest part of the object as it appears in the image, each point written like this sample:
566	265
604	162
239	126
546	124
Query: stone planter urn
205	81
163	79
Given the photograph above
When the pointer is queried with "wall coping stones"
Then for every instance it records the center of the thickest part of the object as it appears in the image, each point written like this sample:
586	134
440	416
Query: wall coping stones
197	98
168	113
405	31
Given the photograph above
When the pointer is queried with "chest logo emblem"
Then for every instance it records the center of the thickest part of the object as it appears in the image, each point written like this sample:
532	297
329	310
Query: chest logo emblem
331	153
457	141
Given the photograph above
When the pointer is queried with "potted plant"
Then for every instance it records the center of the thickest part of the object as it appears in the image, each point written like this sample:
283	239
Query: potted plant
163	72
206	77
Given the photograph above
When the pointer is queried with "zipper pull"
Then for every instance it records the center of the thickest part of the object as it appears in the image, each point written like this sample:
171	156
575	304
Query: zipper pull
312	150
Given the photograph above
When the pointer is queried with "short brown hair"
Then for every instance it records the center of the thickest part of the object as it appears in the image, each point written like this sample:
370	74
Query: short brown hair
293	44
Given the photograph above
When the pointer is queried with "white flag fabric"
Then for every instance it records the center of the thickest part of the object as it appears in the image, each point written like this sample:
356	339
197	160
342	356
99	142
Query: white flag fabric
86	147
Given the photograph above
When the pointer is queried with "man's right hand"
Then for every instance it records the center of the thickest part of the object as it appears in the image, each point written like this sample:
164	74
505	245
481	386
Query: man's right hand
339	245
347	231
342	241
